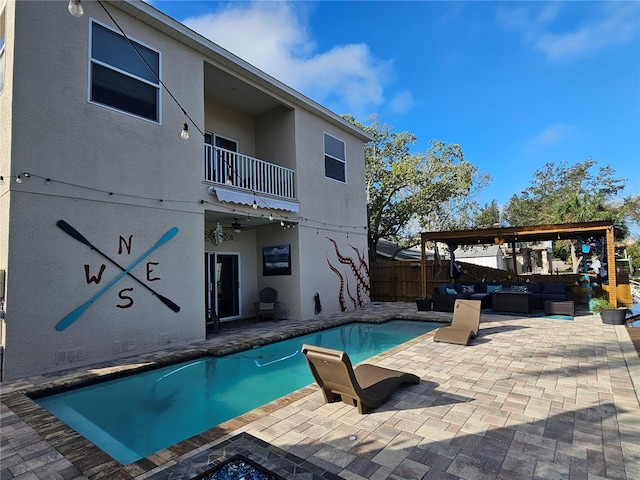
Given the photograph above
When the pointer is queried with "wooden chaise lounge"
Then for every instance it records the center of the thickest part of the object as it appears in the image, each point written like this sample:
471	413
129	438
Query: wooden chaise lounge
366	386
465	323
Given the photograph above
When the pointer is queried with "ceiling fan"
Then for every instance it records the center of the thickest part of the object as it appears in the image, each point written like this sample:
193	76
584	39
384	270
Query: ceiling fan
236	227
217	235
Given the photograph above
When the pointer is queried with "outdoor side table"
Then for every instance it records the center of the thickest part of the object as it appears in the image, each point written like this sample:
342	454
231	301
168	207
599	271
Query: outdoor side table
424	304
510	302
552	307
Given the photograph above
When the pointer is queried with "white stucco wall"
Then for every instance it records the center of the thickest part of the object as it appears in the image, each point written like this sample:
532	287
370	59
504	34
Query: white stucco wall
288	286
329	210
49	281
111	175
233	125
275	137
119	179
5	148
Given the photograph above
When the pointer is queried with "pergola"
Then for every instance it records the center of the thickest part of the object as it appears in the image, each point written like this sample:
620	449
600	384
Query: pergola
535	233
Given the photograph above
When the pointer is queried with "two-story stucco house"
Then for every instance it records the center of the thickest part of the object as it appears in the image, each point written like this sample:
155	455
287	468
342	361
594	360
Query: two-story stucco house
116	233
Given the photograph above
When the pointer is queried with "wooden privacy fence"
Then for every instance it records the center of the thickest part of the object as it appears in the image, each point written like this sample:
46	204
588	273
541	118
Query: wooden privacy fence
402	281
395	281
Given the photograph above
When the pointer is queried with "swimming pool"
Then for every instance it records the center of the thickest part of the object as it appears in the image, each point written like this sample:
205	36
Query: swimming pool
132	417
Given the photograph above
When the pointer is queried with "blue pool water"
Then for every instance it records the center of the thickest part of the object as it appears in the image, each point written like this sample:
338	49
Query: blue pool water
133	417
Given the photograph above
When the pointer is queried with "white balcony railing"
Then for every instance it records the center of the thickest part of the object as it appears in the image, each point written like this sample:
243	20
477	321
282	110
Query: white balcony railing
241	171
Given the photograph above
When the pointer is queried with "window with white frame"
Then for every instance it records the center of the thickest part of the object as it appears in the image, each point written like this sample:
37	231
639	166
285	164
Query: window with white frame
335	160
3	41
124	75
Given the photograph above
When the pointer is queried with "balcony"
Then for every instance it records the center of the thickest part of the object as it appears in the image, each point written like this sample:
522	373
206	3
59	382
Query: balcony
233	169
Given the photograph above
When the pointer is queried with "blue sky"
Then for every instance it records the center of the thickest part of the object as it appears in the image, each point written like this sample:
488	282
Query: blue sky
516	84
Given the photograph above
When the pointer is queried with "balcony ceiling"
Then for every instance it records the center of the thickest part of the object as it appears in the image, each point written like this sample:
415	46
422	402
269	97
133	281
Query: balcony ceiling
247	222
219	86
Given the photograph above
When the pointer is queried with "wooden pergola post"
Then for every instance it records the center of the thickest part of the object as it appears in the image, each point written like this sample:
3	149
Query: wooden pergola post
423	268
611	267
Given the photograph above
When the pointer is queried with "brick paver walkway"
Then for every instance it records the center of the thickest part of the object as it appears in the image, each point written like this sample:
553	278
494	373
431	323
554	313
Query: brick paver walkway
530	398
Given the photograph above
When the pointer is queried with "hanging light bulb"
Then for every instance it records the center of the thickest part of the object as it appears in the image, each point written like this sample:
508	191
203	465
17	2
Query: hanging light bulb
271	216
185	131
75	8
282	223
18	179
255	205
229	180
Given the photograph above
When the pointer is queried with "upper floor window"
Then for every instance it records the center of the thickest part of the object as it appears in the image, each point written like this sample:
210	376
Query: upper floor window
120	78
335	159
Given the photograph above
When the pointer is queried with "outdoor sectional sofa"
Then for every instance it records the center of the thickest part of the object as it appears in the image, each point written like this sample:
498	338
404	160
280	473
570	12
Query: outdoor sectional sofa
444	296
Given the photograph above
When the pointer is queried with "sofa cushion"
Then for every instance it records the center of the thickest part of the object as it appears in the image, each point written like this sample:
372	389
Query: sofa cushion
468	288
554	297
519	288
494	288
478	296
441	289
554	288
452	291
534	287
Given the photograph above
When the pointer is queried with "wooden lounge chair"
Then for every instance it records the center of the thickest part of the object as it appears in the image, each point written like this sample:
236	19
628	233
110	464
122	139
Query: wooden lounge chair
465	323
366	386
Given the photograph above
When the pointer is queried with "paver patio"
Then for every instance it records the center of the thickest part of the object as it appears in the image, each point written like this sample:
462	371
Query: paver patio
530	398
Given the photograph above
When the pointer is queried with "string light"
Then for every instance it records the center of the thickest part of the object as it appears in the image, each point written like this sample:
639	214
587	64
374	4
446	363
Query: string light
75	8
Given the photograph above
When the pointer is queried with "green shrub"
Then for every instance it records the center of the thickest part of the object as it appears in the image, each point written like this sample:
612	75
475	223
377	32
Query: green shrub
598	304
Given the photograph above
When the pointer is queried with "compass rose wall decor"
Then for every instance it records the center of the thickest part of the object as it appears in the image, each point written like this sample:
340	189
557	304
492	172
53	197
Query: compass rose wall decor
75	314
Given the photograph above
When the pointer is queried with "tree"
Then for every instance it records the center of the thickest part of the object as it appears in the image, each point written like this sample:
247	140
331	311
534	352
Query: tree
631	209
407	191
567	194
633	251
487	216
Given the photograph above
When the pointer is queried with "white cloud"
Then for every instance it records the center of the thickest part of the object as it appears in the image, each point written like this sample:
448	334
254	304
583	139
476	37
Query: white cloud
270	36
549	137
402	102
552	32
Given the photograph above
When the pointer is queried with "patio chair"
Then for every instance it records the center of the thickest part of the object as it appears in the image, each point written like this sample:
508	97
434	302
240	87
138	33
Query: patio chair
366	386
465	323
268	304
